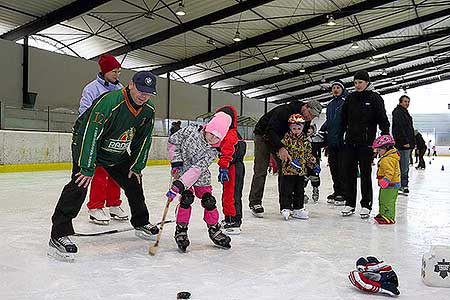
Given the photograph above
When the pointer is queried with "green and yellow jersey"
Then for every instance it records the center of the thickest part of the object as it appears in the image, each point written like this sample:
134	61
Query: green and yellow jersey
105	132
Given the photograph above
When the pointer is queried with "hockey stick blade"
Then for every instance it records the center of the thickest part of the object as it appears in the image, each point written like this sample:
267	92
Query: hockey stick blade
114	230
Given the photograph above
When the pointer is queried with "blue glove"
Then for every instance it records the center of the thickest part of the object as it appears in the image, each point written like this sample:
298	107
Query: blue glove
223	176
317	169
296	164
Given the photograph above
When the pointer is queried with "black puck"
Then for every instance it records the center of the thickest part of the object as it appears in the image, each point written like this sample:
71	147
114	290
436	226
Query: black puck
184	295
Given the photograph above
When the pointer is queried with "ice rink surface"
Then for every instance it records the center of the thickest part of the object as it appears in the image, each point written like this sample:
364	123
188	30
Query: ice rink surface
271	259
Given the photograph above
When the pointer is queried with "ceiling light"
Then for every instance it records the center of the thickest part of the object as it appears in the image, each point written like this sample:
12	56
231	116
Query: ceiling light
237	37
355	45
381	55
371	60
323	79
302	69
394	81
275	56
384	73
331	21
211	42
149	15
180	11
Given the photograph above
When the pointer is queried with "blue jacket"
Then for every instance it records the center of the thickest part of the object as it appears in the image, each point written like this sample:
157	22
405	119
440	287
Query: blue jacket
95	89
333	125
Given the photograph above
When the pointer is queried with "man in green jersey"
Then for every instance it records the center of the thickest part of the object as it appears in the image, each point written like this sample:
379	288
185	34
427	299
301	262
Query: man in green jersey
115	133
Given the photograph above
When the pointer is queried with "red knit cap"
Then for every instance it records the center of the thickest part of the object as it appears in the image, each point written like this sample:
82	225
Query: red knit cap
107	63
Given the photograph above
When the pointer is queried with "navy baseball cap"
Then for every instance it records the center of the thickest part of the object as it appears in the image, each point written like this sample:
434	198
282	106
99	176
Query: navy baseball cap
145	82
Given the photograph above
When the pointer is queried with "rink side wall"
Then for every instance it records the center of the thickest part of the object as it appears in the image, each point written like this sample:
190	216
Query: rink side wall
22	151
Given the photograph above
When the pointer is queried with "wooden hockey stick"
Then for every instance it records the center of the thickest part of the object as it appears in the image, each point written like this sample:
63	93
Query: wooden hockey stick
153	248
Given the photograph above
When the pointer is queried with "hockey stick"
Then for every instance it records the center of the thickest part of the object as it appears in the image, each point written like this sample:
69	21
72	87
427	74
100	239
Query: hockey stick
153	248
114	230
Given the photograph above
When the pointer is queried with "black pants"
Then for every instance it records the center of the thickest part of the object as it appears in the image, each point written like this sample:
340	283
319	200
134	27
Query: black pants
260	166
291	191
72	198
336	162
362	155
421	160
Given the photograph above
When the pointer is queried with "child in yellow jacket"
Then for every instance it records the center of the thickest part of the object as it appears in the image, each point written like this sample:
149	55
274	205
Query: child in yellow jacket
388	176
292	175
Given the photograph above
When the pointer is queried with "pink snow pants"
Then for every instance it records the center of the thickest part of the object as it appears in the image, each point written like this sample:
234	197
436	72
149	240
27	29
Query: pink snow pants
211	217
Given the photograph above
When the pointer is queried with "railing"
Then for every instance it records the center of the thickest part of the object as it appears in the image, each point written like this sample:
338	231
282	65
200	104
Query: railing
62	120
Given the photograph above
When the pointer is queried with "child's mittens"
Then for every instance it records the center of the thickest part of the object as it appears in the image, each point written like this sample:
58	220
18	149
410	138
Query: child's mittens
295	163
383	183
316	169
223	175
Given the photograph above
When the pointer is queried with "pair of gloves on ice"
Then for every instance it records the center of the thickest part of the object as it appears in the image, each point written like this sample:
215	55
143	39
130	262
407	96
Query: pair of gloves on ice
374	276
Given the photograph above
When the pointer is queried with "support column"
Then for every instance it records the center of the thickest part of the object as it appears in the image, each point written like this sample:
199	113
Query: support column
265	105
168	103
242	103
25	66
209	98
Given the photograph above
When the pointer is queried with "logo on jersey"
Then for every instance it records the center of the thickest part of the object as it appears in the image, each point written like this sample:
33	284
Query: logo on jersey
122	143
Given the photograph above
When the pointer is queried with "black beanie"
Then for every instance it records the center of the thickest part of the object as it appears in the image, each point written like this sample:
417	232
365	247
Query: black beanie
362	75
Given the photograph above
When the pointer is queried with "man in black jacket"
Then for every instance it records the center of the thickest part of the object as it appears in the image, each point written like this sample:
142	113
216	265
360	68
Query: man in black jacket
403	132
269	131
362	111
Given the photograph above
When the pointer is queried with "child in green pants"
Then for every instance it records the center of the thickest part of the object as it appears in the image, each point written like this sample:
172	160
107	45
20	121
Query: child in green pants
388	176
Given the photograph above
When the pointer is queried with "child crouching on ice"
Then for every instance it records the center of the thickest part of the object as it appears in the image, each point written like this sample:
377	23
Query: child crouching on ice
388	176
191	151
292	177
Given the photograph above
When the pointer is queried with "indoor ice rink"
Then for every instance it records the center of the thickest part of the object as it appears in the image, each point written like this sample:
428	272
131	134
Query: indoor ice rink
171	64
271	259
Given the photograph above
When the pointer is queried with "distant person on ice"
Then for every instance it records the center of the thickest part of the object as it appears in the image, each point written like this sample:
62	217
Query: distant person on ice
191	151
116	122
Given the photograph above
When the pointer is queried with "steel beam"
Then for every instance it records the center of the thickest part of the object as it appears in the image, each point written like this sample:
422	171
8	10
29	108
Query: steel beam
185	27
64	13
398	73
320	49
343	60
271	35
389	64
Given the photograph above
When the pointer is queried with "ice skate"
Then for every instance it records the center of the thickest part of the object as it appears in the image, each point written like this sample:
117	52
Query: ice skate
315	195
348	211
147	232
286	213
181	237
62	249
220	239
300	214
116	212
231	225
364	213
99	216
257	210
331	198
404	190
339	201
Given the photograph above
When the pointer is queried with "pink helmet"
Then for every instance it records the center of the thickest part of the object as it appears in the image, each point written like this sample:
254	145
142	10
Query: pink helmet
383	141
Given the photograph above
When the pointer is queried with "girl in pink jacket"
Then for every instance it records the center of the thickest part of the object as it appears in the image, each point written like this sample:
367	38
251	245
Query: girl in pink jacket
191	151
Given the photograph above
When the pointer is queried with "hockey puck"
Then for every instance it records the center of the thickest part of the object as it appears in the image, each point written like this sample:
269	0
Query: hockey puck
184	295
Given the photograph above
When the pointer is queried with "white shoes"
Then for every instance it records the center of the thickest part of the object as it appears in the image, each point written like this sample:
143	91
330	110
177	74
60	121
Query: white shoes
99	216
364	213
286	213
116	212
348	211
300	214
